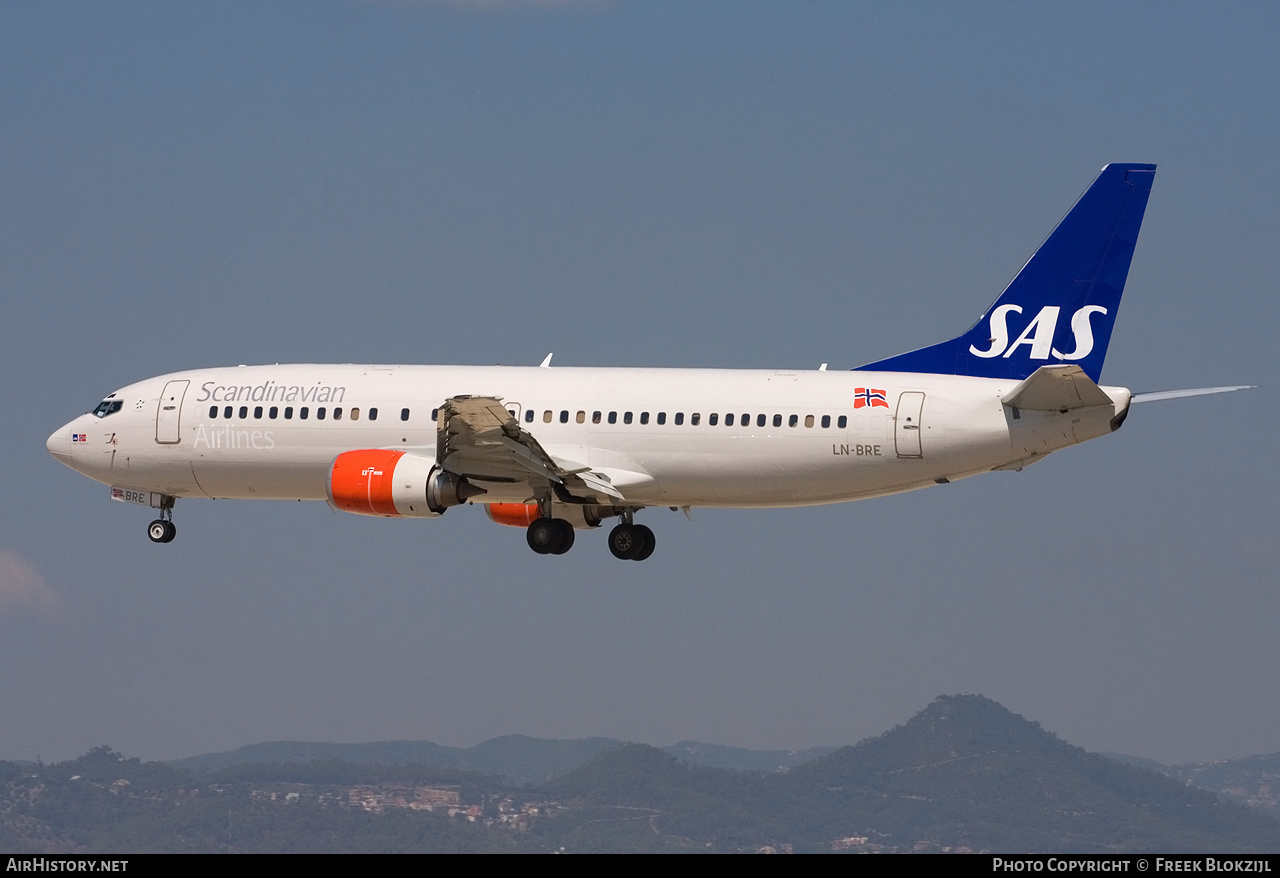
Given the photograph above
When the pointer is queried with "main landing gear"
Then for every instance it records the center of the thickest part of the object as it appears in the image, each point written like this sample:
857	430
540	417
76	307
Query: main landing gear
631	542
162	529
628	541
550	536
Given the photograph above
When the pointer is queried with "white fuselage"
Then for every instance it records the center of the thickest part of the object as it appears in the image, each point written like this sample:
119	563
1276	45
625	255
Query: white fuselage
692	437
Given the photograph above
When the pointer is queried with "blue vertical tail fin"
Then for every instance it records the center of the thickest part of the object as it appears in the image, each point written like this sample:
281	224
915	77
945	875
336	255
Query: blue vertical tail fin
1063	304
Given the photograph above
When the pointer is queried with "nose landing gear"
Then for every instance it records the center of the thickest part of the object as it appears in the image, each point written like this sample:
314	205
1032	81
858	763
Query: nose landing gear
162	530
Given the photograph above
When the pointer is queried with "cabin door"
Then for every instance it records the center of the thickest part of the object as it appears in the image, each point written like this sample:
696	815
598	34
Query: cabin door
169	412
906	427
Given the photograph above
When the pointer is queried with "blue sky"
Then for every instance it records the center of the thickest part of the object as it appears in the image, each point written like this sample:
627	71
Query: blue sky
712	184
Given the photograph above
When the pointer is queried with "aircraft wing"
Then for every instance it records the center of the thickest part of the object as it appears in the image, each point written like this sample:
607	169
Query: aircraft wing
478	438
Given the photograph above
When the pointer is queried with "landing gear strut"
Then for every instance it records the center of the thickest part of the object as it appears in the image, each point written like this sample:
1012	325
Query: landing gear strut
162	530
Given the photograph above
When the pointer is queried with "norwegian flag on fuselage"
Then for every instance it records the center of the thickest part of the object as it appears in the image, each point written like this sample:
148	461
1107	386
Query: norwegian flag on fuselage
869	396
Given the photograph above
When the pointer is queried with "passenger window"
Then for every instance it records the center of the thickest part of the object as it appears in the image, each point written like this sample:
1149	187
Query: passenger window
320	413
679	418
808	420
257	412
355	415
581	418
226	412
712	419
644	417
793	421
213	411
244	412
745	420
373	414
337	414
404	414
662	417
288	413
613	417
728	419
843	422
546	416
626	418
528	416
564	416
435	415
302	413
595	417
826	421
777	420
273	412
760	420
694	419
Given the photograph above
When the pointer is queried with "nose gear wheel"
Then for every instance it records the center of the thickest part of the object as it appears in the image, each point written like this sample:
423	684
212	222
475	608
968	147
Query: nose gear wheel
161	531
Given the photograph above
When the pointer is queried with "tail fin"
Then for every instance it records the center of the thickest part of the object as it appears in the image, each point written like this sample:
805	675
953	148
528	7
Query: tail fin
1062	305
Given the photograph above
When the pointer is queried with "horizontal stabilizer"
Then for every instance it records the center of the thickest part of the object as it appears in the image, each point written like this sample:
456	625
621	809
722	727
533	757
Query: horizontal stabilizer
1058	388
1159	395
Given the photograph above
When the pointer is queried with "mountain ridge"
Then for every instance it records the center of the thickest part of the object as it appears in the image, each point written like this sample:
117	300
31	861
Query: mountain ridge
518	758
963	774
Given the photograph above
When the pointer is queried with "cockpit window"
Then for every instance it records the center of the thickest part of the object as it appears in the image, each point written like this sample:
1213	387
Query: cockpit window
108	407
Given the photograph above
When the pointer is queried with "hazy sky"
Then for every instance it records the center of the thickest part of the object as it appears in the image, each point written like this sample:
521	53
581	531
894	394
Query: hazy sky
635	184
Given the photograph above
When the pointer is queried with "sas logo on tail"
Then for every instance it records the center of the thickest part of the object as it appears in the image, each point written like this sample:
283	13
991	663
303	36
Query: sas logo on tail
864	397
1039	333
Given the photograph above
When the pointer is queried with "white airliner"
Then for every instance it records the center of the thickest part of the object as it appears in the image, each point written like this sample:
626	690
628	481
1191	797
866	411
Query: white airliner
556	449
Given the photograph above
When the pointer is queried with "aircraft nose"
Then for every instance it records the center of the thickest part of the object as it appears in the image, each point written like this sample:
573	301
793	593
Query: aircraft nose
59	445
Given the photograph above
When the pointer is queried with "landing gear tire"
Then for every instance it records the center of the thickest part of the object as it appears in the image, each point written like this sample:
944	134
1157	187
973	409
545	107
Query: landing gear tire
626	542
632	542
161	531
546	536
566	536
650	542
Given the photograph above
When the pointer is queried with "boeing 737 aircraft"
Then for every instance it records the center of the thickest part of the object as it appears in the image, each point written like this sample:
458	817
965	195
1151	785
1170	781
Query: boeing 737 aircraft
554	450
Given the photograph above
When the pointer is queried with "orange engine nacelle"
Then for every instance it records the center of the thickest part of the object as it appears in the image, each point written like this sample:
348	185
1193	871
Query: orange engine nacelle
375	481
512	514
524	514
